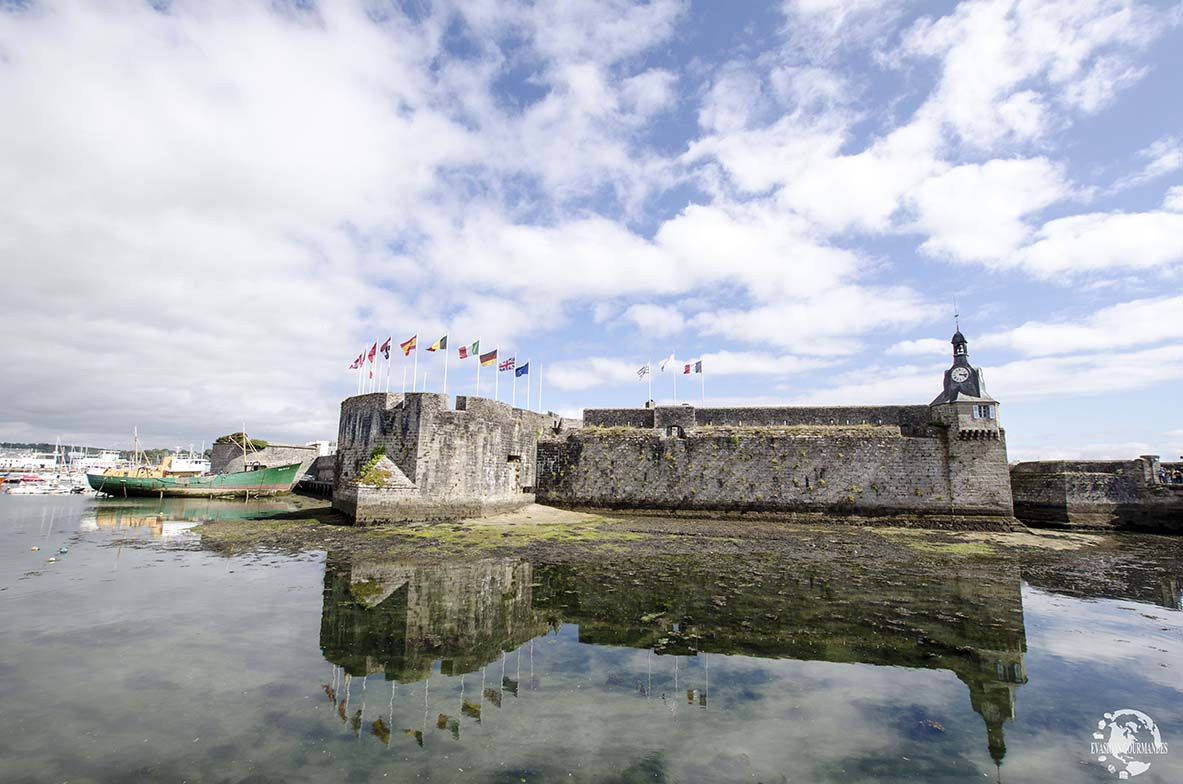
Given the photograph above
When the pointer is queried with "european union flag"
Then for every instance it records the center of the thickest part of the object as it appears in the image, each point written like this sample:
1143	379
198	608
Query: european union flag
523	370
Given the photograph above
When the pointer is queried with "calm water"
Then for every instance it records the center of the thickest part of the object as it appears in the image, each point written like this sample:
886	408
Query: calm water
139	657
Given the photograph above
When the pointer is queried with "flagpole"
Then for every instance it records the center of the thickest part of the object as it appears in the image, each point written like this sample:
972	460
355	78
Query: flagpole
513	396
478	375
527	386
702	372
496	382
404	363
416	349
445	366
424	387
388	340
540	388
675	375
649	372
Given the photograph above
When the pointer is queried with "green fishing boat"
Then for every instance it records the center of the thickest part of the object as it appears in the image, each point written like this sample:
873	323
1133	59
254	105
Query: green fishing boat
156	483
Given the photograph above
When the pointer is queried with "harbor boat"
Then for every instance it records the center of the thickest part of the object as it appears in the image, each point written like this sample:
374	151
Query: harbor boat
160	482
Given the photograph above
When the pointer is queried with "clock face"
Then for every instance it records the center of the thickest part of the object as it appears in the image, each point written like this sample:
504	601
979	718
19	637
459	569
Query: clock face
959	374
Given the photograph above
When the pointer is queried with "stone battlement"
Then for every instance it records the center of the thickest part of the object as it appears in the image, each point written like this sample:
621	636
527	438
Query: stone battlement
911	420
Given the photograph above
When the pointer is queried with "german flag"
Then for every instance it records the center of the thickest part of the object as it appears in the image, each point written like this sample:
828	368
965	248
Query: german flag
408	346
439	345
490	358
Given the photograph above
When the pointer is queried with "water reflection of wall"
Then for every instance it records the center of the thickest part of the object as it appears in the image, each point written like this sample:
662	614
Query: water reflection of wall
969	621
398	618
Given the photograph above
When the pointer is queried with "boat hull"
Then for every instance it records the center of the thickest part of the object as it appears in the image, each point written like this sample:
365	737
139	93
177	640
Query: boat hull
265	481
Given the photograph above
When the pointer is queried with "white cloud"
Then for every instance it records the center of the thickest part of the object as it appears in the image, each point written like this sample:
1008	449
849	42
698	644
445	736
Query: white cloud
1164	156
977	211
656	320
589	372
650	92
921	347
1107	77
827	325
735	97
1006	64
1118	326
1174	199
747	363
1090	242
821	27
1021	380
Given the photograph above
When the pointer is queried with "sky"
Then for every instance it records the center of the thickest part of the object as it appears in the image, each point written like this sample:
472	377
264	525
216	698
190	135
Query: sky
207	209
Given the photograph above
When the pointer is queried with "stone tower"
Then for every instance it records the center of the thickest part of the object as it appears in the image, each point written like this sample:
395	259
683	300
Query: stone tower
975	443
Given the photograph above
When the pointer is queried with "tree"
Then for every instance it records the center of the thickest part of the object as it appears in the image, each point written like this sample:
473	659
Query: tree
237	439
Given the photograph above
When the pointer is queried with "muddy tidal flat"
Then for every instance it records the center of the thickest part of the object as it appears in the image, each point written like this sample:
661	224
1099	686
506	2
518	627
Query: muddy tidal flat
185	640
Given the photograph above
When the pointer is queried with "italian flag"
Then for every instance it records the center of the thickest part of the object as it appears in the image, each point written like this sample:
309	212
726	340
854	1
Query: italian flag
470	351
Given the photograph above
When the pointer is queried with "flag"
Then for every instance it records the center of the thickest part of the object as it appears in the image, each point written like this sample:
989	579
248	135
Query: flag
470	351
666	361
373	352
698	366
439	345
385	349
408	346
361	358
507	364
490	358
523	370
643	371
686	370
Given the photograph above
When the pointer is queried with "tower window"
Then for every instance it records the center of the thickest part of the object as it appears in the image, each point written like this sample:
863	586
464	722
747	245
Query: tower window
983	412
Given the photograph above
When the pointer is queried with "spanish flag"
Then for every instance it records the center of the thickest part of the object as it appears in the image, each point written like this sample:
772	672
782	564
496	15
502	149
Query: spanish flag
408	346
439	345
490	358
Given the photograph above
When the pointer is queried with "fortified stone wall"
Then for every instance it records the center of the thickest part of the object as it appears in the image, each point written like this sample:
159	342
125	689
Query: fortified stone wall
910	468
227	458
910	419
1096	494
439	463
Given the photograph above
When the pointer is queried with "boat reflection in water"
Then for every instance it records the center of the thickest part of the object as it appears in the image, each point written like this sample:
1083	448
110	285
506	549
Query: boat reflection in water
171	516
698	633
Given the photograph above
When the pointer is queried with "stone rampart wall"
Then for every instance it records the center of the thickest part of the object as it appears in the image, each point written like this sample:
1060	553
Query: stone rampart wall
1095	494
859	470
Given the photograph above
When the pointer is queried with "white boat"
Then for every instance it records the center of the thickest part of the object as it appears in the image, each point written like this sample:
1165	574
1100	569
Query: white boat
96	464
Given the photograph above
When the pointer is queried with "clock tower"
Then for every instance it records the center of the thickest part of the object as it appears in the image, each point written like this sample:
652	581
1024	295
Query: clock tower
962	380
